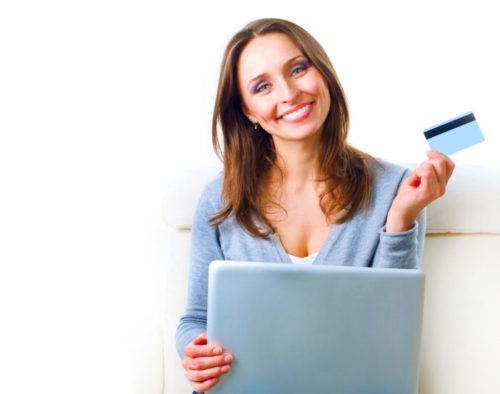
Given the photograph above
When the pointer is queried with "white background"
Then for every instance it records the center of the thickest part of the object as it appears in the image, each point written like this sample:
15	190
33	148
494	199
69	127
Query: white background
102	101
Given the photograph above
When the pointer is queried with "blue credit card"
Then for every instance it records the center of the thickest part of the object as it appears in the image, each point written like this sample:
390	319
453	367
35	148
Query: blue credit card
454	134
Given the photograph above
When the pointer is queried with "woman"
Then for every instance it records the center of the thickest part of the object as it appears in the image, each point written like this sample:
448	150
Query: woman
292	189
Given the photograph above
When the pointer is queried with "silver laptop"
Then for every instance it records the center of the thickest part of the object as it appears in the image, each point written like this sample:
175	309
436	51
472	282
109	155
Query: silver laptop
318	329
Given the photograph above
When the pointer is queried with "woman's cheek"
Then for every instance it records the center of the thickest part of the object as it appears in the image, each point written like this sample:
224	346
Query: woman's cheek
267	112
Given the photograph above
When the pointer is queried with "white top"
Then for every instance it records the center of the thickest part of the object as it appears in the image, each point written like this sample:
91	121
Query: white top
303	260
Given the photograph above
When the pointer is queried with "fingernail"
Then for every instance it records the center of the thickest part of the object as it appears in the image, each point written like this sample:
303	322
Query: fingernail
225	368
227	359
217	350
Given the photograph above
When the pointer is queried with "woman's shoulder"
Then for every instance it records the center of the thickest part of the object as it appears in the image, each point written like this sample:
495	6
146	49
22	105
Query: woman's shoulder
214	185
212	191
382	169
386	175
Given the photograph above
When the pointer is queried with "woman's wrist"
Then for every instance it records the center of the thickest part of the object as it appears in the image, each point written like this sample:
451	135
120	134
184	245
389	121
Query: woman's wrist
398	222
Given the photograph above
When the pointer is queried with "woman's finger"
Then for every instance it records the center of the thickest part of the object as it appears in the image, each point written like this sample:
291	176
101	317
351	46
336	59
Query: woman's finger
450	165
429	186
201	363
205	374
201	339
413	180
194	351
204	386
444	168
199	347
440	168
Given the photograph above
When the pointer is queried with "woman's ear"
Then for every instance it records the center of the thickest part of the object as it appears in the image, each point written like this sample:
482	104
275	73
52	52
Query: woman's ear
248	114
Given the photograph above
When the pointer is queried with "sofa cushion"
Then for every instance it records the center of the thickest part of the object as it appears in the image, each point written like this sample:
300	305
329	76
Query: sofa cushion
471	203
183	192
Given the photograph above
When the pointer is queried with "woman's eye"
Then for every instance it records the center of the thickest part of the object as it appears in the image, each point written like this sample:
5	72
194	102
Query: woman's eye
299	69
262	87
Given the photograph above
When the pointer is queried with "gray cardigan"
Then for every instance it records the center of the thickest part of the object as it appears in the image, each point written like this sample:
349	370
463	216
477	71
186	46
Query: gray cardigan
360	241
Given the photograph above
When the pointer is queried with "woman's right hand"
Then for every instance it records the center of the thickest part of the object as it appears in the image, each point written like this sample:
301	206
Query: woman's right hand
205	363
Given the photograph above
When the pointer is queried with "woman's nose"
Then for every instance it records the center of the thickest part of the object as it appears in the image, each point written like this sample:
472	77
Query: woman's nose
288	91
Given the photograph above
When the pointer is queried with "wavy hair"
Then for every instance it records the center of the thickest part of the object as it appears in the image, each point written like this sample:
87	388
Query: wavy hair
248	154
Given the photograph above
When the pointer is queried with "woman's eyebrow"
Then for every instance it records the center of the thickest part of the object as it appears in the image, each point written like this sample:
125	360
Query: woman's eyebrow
291	60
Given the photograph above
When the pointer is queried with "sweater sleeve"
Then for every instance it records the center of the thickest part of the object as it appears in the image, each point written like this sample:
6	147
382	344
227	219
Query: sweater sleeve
205	247
403	249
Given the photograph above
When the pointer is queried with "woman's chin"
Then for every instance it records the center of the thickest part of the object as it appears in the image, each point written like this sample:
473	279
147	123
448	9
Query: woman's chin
298	136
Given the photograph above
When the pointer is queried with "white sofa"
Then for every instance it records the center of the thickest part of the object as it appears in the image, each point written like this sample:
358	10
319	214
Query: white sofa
460	350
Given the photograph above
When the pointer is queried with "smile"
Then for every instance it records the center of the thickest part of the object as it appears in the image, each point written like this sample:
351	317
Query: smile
299	114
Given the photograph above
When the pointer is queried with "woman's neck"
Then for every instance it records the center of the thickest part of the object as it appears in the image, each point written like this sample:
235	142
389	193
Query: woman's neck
299	165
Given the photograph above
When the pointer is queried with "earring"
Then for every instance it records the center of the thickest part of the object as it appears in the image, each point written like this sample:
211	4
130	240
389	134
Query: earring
255	126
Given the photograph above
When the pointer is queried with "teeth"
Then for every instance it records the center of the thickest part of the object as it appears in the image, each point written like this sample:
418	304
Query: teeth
296	114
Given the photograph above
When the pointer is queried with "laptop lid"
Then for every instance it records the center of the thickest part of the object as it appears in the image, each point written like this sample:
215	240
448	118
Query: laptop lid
318	329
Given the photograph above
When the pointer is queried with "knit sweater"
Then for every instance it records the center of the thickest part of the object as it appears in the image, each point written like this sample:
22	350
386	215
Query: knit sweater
360	241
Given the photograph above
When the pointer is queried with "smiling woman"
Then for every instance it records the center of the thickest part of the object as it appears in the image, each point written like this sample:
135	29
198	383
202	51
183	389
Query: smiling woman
280	78
292	187
290	99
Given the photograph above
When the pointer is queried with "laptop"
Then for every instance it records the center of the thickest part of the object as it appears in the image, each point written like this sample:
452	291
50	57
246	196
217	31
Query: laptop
318	329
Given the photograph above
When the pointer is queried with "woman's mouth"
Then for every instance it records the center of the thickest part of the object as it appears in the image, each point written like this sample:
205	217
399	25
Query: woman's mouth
297	115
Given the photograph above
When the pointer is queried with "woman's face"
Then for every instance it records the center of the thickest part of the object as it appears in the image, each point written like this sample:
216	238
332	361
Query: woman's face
281	89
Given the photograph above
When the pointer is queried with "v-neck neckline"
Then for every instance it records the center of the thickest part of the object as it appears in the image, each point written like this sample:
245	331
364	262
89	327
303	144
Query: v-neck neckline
331	238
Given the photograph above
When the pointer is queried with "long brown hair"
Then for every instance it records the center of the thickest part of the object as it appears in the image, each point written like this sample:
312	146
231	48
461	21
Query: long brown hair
249	154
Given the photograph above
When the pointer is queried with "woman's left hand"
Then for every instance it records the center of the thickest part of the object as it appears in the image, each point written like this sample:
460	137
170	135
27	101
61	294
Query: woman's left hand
424	185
